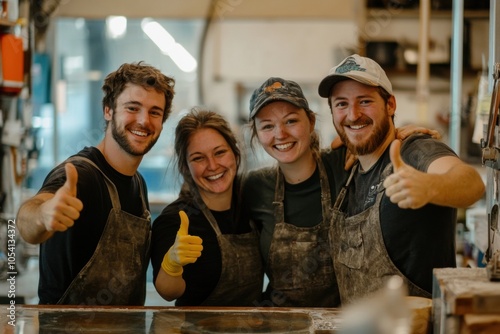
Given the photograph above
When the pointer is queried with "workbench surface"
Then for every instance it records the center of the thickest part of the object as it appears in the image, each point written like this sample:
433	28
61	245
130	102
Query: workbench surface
63	319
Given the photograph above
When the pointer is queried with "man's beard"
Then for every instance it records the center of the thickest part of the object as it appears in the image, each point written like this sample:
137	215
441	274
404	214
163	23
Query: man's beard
371	144
121	138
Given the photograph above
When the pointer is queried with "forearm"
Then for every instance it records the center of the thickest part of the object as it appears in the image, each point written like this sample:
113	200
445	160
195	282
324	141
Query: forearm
29	220
460	187
169	287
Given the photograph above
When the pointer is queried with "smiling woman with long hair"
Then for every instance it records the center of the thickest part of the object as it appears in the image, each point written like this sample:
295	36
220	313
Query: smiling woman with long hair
212	257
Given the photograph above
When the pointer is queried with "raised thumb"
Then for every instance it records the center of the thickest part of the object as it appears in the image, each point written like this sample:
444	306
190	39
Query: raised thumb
395	153
71	178
183	230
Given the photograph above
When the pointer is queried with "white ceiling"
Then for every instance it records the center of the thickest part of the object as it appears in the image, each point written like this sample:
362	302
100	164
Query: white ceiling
222	8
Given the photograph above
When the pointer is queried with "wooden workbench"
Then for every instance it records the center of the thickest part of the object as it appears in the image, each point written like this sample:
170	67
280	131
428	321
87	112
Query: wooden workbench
465	301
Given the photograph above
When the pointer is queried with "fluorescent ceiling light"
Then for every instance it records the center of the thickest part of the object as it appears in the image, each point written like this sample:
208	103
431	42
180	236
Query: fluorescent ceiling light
167	44
116	26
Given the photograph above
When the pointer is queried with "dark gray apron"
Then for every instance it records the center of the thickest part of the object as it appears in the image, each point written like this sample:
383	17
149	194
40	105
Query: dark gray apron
362	263
116	272
300	268
242	275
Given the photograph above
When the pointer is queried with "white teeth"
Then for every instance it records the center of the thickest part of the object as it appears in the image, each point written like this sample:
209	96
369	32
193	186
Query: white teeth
215	177
139	133
357	127
283	146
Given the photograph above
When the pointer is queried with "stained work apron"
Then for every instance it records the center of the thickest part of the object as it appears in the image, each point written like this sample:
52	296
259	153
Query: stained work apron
116	272
362	263
242	275
300	268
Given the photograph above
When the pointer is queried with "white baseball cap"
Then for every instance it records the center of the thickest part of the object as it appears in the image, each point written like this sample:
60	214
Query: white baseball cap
361	69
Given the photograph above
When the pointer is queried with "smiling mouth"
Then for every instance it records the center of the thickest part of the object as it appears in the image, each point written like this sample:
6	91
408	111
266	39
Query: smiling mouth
283	147
357	127
215	177
139	133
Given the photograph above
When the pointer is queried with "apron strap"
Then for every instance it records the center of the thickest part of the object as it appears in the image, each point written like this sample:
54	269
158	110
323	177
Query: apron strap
279	191
113	193
343	191
279	196
112	188
208	214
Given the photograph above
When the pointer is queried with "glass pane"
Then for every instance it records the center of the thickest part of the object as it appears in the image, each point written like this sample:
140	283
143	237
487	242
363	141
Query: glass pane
85	52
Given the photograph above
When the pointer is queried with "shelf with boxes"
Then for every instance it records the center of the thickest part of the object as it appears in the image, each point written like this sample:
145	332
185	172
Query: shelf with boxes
390	33
15	102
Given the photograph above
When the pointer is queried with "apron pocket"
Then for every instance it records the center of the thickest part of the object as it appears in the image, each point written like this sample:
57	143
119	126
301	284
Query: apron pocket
250	271
351	251
126	258
313	269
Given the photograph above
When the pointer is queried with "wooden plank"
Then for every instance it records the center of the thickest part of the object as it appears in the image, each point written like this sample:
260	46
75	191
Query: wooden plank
468	290
481	324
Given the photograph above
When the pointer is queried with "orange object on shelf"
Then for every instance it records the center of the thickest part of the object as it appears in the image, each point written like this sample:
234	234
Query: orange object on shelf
12	64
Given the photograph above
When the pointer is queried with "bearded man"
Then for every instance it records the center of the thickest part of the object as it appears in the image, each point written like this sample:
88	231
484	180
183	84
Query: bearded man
91	216
396	210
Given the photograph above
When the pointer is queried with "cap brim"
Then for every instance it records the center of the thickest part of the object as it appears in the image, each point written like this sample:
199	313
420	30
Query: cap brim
325	86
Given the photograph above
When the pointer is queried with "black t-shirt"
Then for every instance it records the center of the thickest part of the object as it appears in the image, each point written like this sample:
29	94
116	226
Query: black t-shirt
65	253
416	240
202	276
302	202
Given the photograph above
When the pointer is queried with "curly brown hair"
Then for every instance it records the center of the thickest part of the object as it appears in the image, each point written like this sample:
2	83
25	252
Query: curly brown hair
140	74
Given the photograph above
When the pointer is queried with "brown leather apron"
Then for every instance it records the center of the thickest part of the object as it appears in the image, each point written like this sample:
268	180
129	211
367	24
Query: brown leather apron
300	268
116	272
362	263
242	275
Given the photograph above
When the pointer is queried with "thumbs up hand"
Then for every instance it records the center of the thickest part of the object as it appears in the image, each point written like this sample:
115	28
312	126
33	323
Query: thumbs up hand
71	179
406	187
186	249
60	212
